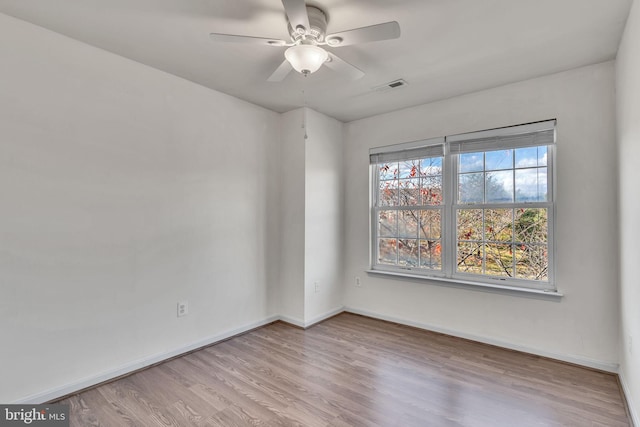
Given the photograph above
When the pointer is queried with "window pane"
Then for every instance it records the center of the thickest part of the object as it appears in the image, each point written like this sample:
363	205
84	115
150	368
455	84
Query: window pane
543	195
431	254
388	171
409	169
542	156
531	185
471	162
431	166
471	188
431	190
470	224
499	260
430	224
531	225
387	224
409	192
387	251
498	160
408	224
527	157
469	258
532	262
498	225
388	193
500	187
408	252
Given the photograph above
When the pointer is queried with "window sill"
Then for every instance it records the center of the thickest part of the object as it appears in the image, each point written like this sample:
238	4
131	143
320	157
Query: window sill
475	285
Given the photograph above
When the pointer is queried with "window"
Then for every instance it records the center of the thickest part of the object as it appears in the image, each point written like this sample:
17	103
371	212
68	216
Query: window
476	207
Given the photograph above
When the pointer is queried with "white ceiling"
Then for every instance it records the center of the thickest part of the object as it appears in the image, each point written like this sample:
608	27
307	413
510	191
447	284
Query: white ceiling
447	47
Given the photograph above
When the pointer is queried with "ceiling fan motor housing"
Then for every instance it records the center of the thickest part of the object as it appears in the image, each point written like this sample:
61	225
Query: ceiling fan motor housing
307	27
318	24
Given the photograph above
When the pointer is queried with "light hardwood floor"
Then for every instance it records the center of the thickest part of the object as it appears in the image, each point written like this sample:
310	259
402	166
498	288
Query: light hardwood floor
354	371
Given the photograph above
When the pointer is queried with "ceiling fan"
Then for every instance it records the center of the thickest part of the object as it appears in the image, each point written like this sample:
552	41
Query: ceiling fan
307	28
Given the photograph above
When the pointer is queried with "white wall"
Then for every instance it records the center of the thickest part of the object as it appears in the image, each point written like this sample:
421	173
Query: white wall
628	111
292	197
311	195
582	326
122	191
323	216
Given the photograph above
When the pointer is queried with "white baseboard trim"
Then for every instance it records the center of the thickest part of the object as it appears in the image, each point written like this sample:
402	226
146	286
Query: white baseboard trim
292	320
75	386
577	360
324	316
635	417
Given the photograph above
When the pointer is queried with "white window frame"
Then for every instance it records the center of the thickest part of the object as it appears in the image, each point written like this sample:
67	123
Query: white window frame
520	136
428	148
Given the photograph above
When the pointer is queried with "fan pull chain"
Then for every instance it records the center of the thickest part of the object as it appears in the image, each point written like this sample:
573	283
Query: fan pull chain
304	114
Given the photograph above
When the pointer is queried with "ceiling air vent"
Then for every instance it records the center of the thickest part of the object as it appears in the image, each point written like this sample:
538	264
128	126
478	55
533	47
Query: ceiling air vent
396	84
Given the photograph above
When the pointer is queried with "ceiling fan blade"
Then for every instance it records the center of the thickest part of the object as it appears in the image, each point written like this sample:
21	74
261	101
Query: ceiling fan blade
343	67
281	72
386	31
296	11
232	38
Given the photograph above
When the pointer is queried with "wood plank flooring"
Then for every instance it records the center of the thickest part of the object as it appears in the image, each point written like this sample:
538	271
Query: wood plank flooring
354	371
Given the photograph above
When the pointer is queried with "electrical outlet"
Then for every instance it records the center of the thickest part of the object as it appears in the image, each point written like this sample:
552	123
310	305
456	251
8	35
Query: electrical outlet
183	308
316	286
358	284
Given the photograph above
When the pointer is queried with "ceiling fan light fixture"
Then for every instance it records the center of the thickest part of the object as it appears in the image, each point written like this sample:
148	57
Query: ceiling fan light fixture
306	58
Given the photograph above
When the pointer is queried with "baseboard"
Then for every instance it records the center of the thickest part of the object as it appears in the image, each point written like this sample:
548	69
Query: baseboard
322	317
128	368
73	387
635	417
304	324
292	321
576	360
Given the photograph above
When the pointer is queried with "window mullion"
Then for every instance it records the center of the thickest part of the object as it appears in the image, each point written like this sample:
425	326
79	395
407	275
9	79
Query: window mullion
448	231
483	242
375	178
397	231
513	239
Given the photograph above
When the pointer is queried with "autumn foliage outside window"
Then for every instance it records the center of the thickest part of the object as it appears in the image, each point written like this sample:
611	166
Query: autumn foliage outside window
501	213
477	208
409	221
